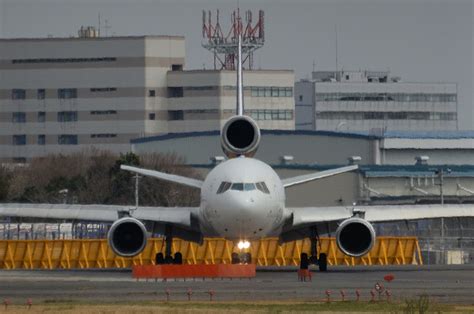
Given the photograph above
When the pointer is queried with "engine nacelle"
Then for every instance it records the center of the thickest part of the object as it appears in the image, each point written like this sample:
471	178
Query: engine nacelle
127	237
240	136
355	237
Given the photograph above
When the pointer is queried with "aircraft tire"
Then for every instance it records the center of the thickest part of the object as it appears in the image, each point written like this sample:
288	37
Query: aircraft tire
159	259
304	262
235	258
247	258
323	262
178	258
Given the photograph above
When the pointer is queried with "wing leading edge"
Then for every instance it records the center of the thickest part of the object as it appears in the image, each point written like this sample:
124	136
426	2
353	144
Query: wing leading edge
316	175
311	215
106	213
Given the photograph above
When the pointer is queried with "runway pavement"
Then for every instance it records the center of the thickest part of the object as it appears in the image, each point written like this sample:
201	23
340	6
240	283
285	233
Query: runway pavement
447	284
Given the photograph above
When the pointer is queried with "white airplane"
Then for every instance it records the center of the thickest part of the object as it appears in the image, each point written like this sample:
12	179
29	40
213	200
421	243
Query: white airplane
242	199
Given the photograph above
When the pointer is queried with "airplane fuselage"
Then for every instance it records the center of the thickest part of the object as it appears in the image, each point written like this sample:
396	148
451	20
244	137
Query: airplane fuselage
242	199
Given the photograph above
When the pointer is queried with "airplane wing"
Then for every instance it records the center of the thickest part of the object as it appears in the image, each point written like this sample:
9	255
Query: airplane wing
105	213
316	175
305	216
165	176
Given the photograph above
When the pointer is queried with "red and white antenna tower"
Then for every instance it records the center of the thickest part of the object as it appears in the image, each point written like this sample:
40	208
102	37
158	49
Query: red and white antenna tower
224	47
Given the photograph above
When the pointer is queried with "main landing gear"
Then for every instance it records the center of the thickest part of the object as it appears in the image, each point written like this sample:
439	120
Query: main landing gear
322	261
167	258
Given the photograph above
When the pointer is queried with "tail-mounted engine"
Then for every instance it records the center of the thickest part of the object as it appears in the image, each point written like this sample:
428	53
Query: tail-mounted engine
127	237
240	136
355	237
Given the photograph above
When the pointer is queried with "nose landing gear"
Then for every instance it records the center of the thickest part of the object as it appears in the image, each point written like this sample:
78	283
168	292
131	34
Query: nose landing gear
242	258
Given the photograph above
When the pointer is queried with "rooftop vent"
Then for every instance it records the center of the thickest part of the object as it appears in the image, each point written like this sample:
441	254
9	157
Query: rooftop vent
354	160
287	159
217	159
421	160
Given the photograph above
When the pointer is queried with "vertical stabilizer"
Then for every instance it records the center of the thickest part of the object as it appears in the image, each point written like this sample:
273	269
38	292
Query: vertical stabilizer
240	97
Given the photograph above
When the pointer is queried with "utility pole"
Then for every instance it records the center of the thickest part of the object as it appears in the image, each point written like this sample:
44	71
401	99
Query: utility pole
137	177
440	172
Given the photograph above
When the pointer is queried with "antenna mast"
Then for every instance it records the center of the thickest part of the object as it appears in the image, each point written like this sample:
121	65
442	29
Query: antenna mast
224	47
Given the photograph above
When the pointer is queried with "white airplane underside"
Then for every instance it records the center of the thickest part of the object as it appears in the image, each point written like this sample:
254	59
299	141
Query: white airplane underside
242	199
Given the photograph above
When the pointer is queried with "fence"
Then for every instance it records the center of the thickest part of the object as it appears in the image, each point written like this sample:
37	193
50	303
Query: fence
95	253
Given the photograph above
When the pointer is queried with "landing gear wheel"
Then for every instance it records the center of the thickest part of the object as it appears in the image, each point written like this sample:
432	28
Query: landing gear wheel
247	258
323	262
235	258
178	258
159	259
304	262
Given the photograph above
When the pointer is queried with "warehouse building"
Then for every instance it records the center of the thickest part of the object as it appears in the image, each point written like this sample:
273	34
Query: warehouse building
401	167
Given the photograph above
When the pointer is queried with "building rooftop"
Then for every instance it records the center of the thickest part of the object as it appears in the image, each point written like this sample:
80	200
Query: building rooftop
366	135
93	38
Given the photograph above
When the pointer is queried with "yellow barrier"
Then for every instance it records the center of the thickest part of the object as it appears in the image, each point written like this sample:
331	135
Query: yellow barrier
95	253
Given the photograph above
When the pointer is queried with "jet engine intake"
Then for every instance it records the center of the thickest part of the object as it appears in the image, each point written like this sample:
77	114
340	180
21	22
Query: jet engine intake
240	136
355	237
127	237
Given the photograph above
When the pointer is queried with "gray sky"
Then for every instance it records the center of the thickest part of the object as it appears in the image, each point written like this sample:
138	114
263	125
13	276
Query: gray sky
419	40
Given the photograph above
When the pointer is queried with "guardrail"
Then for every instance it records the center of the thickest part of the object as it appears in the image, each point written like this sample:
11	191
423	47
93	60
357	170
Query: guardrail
95	253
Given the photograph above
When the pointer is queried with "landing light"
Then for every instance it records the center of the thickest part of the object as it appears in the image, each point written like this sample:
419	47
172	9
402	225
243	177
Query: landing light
243	245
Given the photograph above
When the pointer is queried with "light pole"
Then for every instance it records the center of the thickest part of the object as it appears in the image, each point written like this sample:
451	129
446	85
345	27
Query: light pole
440	172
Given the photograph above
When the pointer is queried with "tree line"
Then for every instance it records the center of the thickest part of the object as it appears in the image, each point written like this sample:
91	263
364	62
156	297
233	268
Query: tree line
94	177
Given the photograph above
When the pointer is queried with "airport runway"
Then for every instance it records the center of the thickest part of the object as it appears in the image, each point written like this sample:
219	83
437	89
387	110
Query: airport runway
447	284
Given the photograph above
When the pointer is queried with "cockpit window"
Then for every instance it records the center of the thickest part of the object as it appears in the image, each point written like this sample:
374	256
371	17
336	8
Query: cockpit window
249	186
238	186
261	186
223	187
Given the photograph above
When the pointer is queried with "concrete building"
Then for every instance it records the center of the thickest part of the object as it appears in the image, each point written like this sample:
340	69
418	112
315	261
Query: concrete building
373	102
60	95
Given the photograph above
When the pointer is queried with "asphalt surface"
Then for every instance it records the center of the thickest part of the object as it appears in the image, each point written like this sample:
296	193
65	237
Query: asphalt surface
446	284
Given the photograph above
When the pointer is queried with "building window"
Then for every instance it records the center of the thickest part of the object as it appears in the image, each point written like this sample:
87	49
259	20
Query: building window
270	114
104	112
67	116
41	116
63	60
41	94
18	117
41	139
103	89
67	139
67	93
176	67
151	116
301	98
175	92
175	115
20	160
151	93
19	139
18	94
103	135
